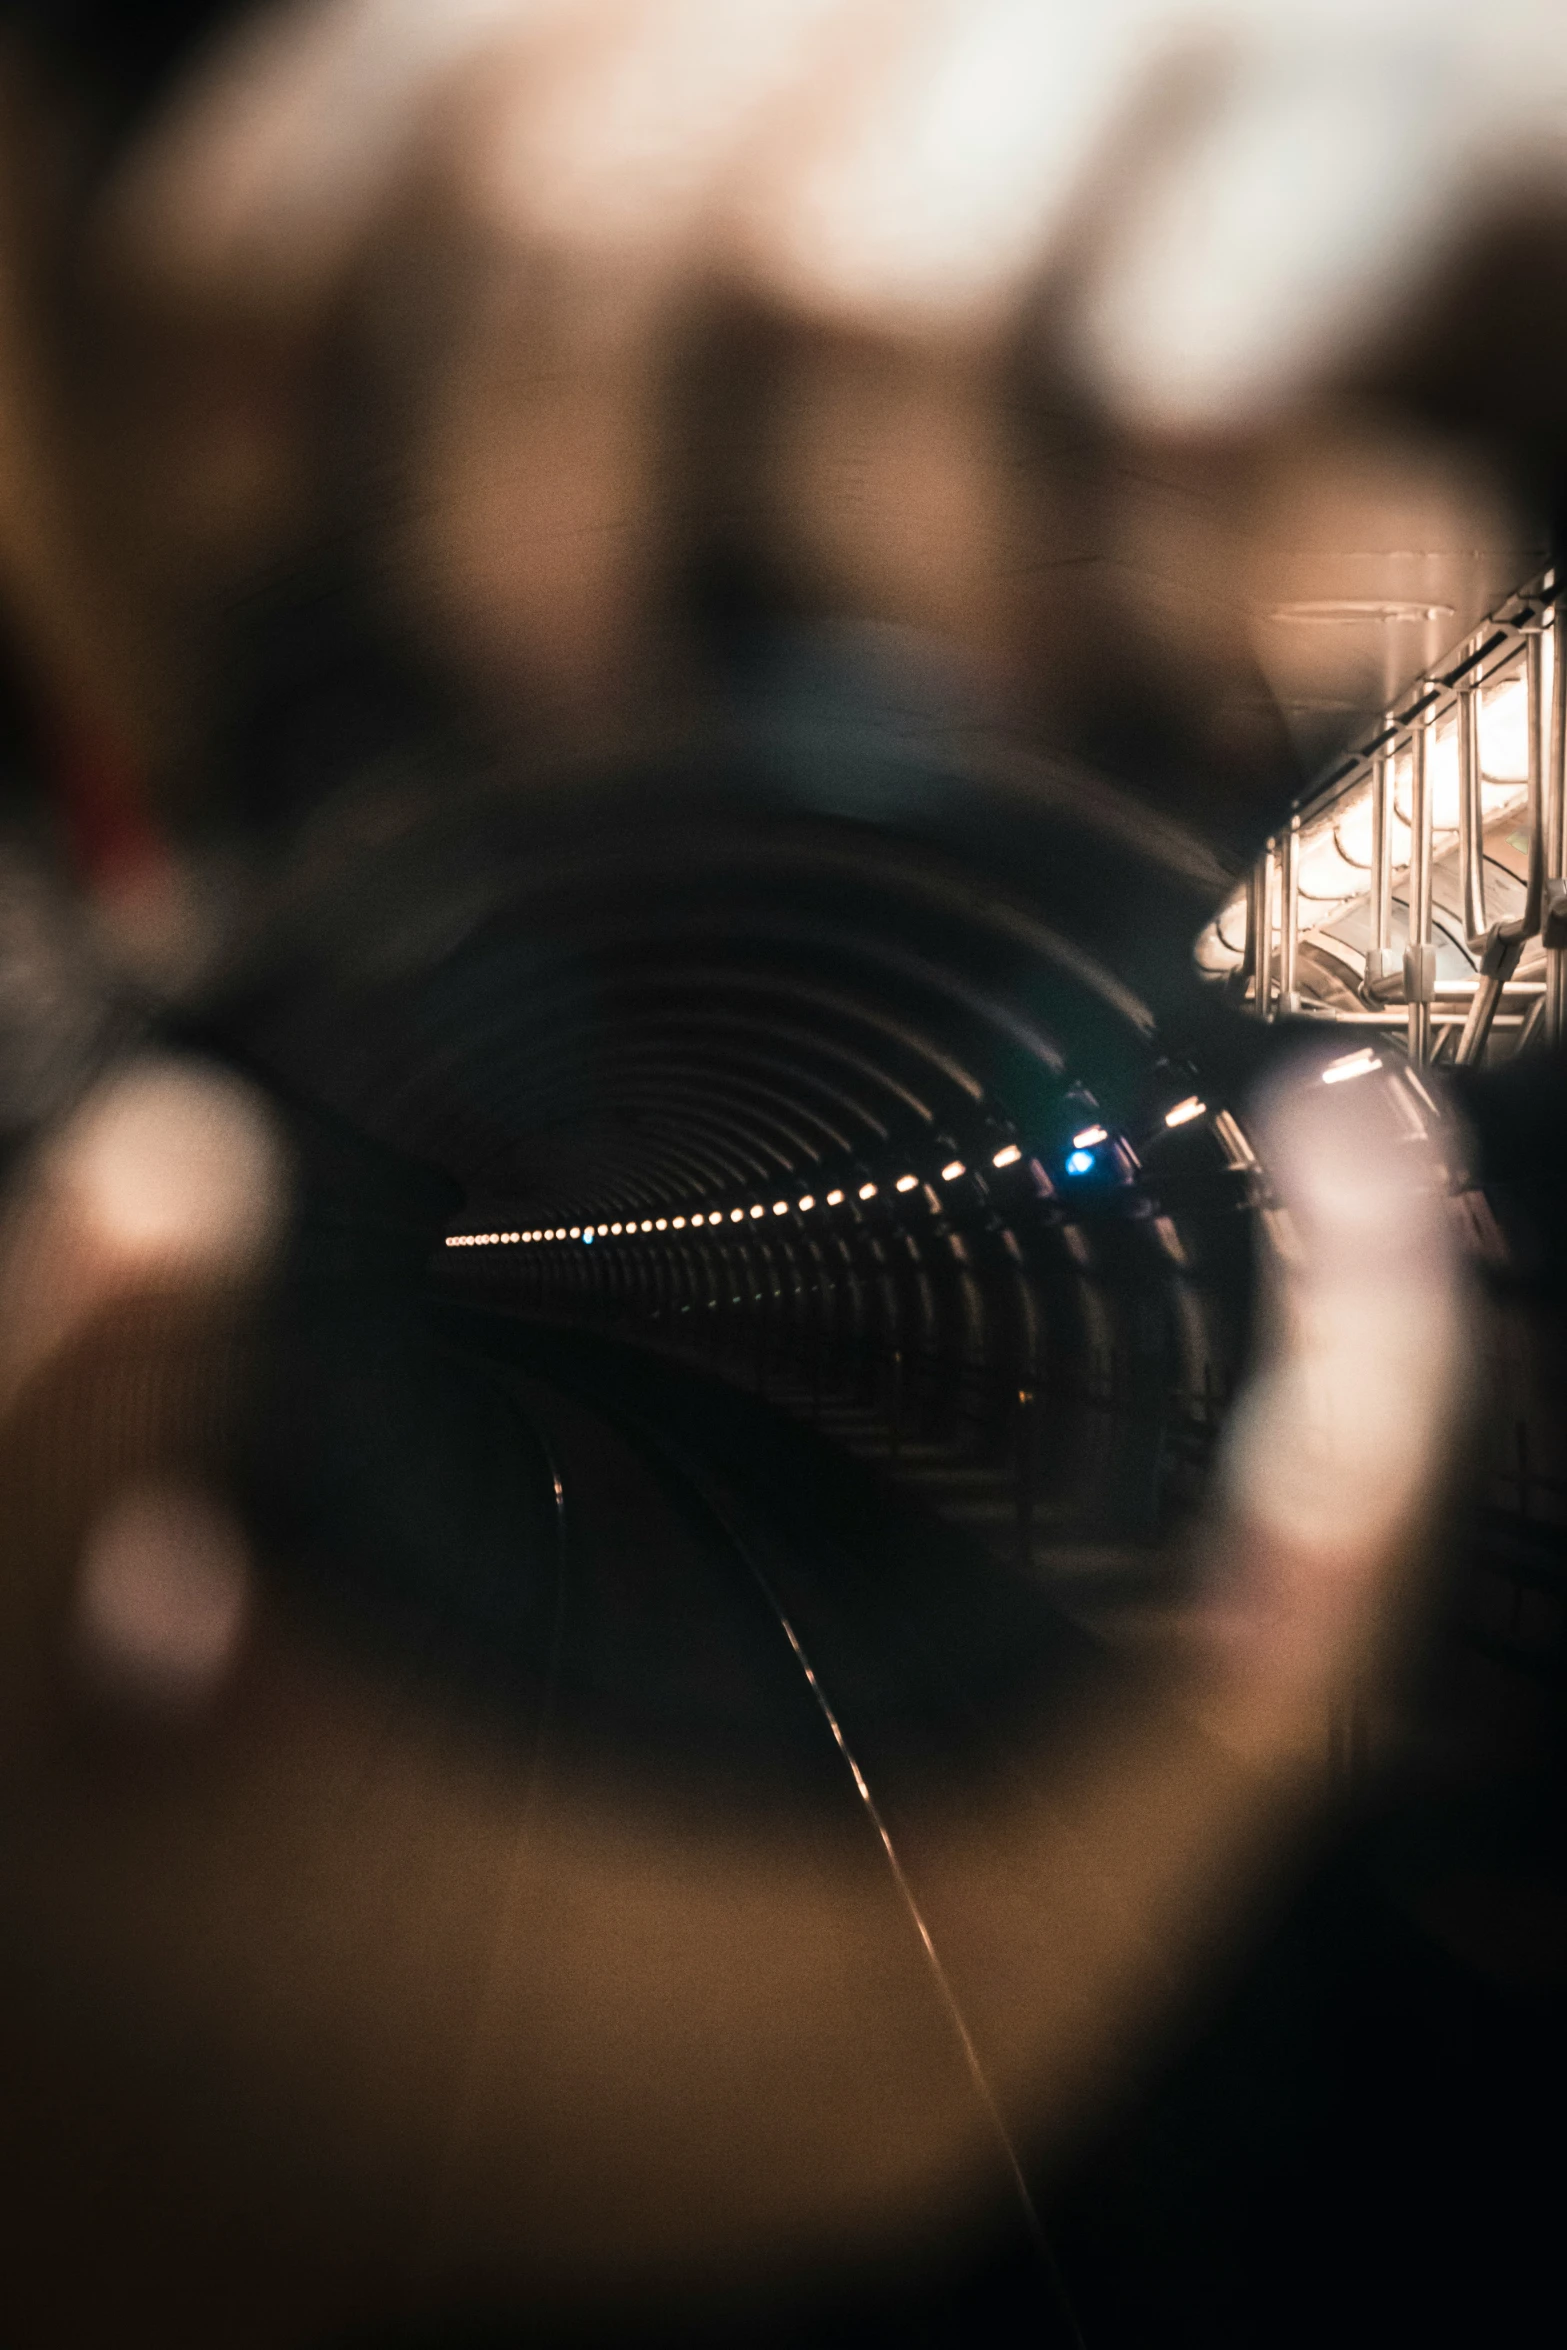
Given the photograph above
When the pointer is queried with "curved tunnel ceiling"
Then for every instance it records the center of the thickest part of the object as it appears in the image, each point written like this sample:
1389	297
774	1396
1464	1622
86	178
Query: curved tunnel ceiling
727	969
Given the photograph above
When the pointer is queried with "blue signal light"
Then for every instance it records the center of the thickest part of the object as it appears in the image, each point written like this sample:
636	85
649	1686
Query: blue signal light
587	1240
1079	1162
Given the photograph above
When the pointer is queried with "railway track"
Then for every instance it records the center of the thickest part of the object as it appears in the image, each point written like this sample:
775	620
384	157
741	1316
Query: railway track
676	1649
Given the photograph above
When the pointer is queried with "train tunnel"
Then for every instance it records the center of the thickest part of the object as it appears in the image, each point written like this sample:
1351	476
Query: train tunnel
774	1238
775	1248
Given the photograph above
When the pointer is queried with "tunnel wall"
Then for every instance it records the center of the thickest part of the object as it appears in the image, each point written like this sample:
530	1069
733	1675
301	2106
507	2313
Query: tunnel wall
1088	1345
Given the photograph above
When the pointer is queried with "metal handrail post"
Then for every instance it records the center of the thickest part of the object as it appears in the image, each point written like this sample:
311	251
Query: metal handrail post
1263	1002
1289	919
1471	816
1553	907
1420	954
1505	941
1534	656
1382	965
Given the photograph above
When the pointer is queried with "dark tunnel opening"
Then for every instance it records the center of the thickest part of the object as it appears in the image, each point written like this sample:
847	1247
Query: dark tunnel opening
823	1056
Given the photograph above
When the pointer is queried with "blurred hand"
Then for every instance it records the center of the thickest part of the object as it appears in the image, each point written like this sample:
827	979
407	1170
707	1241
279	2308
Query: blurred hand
1250	180
971	239
439	2025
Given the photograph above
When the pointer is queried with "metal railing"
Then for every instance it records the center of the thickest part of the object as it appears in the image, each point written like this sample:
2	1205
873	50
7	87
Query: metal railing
1472	777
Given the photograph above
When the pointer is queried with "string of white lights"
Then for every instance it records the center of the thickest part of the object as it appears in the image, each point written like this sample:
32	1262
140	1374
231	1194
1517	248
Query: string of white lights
1080	1161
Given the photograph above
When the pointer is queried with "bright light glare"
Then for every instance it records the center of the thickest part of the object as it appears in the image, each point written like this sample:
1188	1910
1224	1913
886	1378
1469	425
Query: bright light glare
807	1204
1358	1064
1008	1157
679	1224
576	1232
647	1224
1089	1136
661	1224
907	1183
952	1170
1184	1112
1079	1162
780	1207
758	1210
984	127
867	1191
737	1215
615	1228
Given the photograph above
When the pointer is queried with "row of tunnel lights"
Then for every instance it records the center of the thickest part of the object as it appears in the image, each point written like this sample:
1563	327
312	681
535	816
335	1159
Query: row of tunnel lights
1080	1161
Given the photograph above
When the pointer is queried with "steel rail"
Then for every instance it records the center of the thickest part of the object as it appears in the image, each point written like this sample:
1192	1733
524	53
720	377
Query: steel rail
669	1454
